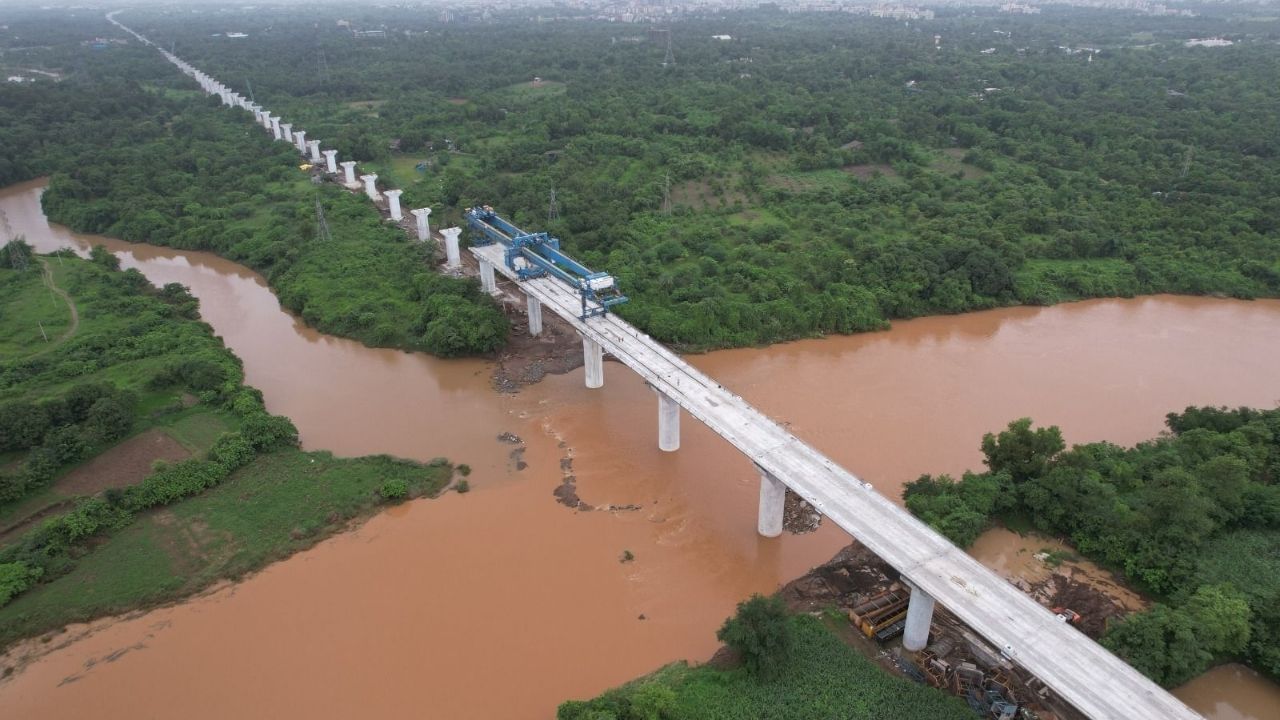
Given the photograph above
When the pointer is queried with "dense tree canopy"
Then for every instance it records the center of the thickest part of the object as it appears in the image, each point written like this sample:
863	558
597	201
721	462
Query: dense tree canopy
1192	517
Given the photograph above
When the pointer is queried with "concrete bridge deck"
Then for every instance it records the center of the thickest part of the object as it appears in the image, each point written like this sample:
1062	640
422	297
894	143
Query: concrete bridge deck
1079	670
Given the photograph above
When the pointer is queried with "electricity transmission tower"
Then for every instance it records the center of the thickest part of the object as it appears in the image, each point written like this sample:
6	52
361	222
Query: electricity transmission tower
670	59
17	255
666	194
322	225
324	66
553	208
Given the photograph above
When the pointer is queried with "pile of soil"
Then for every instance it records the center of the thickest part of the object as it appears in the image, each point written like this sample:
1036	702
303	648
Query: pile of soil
853	574
798	516
526	360
1095	607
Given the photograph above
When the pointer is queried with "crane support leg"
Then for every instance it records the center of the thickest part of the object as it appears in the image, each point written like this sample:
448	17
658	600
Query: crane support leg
773	499
668	423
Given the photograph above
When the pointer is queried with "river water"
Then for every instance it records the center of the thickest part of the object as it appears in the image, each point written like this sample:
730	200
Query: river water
501	603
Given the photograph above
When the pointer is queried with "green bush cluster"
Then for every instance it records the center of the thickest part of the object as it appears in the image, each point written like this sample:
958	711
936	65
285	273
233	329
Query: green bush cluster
49	550
1175	514
59	432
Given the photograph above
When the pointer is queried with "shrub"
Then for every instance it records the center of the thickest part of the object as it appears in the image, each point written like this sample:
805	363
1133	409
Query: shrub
463	486
231	451
15	577
760	633
267	432
393	490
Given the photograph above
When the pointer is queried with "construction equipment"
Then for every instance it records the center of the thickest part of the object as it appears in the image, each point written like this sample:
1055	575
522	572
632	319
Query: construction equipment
1067	615
882	617
534	255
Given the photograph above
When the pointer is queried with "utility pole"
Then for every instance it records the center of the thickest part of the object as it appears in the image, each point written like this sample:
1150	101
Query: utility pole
666	194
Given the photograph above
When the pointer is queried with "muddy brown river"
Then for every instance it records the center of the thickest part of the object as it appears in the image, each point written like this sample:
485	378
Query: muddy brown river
501	603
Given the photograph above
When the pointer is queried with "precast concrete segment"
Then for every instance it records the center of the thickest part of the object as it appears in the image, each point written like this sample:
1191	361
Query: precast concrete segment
453	258
349	167
393	201
915	636
1079	670
422	215
593	362
330	158
371	186
668	422
773	504
534	311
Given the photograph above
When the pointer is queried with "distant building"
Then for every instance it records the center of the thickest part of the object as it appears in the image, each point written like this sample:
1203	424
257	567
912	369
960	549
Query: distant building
1210	42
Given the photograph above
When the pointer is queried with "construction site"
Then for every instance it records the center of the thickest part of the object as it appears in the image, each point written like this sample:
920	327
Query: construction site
862	598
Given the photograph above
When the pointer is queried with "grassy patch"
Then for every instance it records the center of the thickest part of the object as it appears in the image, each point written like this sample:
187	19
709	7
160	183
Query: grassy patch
281	503
26	304
198	430
823	678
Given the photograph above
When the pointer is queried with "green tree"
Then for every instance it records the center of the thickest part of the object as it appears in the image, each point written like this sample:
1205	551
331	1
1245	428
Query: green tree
1022	452
760	633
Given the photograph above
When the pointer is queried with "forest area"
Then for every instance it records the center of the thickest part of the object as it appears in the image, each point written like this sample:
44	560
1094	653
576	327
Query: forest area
1192	518
808	177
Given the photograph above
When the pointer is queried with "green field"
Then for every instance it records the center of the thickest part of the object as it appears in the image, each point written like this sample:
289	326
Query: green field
281	503
823	678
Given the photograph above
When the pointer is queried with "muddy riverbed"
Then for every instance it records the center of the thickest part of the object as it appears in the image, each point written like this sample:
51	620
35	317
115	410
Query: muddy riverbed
503	602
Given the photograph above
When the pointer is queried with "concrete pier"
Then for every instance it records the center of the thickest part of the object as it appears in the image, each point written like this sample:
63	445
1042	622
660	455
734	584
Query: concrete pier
275	126
534	309
331	158
919	615
668	423
314	147
350	167
371	186
393	200
286	129
423	216
593	361
487	281
300	139
773	500
452	259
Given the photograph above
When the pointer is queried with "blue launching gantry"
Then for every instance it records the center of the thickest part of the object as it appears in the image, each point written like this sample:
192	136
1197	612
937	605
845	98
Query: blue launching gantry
535	255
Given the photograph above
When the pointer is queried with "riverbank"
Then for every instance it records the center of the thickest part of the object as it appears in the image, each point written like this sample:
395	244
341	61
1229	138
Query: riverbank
278	505
1101	370
139	469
